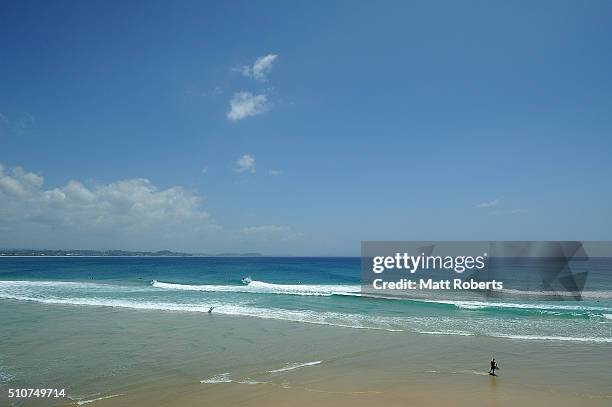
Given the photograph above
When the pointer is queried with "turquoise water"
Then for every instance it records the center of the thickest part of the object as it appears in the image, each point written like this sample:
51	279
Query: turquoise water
103	326
322	291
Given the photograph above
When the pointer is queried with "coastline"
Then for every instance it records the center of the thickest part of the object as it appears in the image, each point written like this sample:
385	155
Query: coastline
146	357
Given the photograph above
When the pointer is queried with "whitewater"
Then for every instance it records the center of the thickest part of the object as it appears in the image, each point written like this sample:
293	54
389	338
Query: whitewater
340	305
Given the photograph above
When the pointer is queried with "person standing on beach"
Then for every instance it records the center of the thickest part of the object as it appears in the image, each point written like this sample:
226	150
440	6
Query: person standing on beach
493	367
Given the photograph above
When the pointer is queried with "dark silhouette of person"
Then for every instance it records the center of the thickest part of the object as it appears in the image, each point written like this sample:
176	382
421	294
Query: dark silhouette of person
493	367
210	310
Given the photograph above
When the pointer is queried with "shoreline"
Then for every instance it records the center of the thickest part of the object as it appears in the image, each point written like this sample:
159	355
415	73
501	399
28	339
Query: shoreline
204	311
161	358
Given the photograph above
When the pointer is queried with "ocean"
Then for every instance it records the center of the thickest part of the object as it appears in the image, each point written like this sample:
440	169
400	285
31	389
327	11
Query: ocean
99	323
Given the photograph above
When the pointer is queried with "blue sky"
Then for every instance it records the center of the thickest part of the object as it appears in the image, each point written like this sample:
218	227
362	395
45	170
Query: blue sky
362	120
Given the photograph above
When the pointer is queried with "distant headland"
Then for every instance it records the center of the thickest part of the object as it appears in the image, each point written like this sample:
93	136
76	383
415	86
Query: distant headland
113	253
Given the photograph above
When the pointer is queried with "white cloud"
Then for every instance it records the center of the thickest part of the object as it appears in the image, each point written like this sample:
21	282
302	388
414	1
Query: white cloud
245	104
245	70
488	204
246	163
19	182
204	170
274	173
263	229
260	69
130	214
134	210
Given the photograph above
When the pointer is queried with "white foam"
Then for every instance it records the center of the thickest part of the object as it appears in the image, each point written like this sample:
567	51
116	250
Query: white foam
353	321
81	402
260	287
63	284
555	338
5	376
523	337
474	305
293	366
86	294
25	288
446	332
249	381
226	378
571	294
220	378
46	288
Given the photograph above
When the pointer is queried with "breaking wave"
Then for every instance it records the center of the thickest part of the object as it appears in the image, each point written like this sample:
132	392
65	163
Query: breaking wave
261	287
452	317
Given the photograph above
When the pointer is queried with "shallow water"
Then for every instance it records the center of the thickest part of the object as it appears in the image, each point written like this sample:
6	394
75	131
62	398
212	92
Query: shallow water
323	291
105	327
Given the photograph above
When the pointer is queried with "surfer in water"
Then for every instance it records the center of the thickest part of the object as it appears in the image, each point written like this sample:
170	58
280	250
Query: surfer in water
493	367
210	310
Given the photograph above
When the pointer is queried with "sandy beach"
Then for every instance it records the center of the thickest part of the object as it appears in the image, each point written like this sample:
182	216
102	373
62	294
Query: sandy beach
116	357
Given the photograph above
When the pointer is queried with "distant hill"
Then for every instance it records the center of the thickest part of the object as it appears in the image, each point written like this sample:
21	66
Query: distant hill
115	253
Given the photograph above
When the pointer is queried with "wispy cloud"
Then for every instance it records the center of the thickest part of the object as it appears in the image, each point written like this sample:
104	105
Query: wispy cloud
246	163
263	229
260	69
246	104
489	204
497	208
274	173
